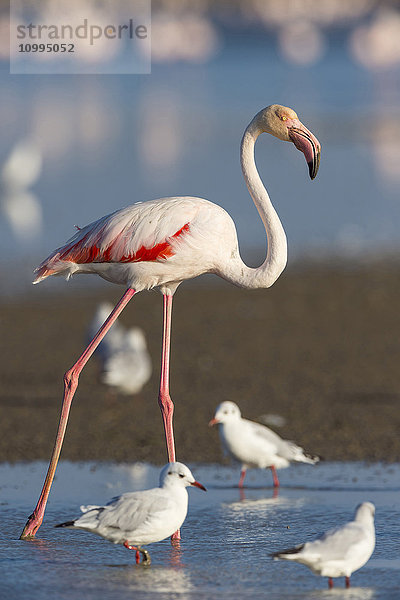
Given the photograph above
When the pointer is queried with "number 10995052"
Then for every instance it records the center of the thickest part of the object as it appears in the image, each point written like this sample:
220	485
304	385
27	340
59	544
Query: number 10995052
57	48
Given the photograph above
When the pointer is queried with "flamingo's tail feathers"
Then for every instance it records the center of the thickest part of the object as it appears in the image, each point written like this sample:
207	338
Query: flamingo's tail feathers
53	266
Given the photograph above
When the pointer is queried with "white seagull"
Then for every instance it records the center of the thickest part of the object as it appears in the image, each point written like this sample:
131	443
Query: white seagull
135	519
126	363
341	551
253	444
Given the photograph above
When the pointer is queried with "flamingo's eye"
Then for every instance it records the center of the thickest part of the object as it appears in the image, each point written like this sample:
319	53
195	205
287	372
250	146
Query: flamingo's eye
283	118
181	475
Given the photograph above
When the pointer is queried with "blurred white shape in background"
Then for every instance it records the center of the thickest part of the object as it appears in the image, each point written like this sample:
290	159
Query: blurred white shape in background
377	45
385	144
126	363
301	42
23	165
191	37
326	12
272	419
21	206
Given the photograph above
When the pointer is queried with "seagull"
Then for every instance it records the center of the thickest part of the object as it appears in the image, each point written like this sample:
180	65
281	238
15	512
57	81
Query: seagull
135	519
126	363
340	551
254	445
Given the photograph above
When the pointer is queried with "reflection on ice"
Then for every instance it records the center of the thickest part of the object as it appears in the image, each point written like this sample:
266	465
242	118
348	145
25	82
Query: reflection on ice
157	580
260	504
353	593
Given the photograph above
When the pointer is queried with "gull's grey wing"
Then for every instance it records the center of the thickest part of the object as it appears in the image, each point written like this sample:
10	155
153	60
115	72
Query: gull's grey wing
128	512
339	543
284	448
134	510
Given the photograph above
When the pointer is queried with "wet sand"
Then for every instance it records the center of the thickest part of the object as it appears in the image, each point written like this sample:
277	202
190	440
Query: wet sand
320	348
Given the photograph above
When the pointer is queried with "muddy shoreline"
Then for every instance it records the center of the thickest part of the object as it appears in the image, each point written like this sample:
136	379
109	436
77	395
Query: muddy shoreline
321	348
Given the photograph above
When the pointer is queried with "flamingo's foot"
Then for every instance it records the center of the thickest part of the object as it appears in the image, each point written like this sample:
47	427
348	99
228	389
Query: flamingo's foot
347	582
330	583
31	527
146	560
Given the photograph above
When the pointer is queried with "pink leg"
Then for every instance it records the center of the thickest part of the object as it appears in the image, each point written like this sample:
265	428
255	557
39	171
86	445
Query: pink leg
242	476
330	583
347	582
275	476
164	399
70	384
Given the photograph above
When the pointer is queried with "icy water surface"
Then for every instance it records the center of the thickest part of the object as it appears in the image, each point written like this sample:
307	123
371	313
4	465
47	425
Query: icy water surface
226	539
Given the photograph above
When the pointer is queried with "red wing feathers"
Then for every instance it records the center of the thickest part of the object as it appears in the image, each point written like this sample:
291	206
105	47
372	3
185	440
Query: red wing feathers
80	252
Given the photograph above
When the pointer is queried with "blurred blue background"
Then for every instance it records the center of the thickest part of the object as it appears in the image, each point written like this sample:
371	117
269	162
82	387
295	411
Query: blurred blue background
76	147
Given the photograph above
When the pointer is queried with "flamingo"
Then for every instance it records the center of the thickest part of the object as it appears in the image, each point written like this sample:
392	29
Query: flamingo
159	244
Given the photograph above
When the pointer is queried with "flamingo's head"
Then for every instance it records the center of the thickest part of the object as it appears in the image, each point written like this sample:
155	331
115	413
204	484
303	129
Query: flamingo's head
283	123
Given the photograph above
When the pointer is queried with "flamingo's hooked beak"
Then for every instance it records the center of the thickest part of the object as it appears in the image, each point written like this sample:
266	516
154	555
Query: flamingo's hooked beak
213	422
307	143
199	485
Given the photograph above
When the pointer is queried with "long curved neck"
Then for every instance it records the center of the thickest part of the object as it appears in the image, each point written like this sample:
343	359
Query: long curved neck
275	261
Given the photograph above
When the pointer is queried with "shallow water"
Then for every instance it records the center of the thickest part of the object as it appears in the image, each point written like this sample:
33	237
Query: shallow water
226	539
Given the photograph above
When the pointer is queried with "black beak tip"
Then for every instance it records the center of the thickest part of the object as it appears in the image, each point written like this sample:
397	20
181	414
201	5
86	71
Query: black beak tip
313	166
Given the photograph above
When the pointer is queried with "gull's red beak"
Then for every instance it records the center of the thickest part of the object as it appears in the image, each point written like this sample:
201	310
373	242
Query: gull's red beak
307	143
213	422
197	484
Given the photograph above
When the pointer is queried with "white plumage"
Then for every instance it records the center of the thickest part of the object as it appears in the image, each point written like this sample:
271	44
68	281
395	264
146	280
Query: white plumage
162	243
340	551
254	445
126	363
140	518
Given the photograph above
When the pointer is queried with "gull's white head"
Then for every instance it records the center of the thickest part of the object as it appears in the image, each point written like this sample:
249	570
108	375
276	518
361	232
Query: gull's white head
177	474
226	412
283	123
365	512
